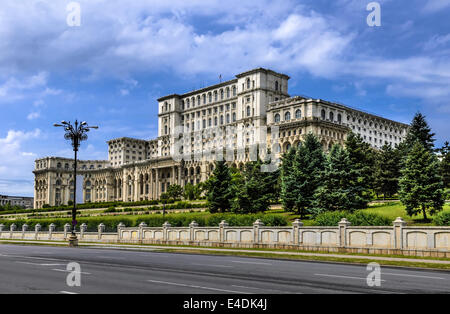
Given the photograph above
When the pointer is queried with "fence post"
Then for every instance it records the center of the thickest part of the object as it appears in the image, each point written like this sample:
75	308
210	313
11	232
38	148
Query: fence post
101	229
12	228
256	226
120	226
222	237
83	229
37	228
343	225
66	230
166	226
399	223
192	227
296	225
142	225
51	228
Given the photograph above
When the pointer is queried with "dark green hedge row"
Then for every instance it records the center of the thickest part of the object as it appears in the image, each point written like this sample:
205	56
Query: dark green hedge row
176	220
179	205
83	206
357	218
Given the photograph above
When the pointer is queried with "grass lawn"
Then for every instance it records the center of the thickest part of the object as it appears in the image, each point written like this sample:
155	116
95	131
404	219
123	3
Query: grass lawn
396	209
392	210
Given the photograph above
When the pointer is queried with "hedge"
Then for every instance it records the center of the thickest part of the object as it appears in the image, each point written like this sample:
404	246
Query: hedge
442	219
357	218
155	220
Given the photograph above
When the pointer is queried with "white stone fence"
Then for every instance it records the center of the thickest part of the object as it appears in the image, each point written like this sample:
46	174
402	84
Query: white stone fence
398	239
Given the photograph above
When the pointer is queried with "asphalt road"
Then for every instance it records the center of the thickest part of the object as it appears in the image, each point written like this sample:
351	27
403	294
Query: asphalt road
42	269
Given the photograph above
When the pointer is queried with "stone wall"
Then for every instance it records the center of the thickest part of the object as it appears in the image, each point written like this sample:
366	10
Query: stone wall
398	239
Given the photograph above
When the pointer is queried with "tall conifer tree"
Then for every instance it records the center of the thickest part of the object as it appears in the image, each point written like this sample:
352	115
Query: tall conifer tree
421	188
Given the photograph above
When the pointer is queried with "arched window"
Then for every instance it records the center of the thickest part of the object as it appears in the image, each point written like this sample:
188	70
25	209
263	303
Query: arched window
215	121
228	118
248	111
234	117
58	165
331	116
209	97
248	83
298	114
204	99
277	118
322	114
228	92
287	116
276	85
339	118
221	94
221	120
215	95
234	90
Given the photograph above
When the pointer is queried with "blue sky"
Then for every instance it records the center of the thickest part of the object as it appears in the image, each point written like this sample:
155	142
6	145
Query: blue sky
126	54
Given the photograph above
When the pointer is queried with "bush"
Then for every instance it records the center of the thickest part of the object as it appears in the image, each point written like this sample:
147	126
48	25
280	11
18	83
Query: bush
358	218
442	219
155	220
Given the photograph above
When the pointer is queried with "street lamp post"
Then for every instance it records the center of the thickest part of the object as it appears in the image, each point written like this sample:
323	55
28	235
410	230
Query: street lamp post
76	133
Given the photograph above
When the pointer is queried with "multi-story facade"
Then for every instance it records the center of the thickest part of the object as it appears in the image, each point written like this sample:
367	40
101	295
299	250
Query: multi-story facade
227	120
22	201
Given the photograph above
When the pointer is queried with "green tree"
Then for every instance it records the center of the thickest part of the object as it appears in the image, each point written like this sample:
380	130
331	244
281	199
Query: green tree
189	192
288	180
337	191
445	164
218	188
421	188
308	166
362	159
420	131
387	171
255	189
175	191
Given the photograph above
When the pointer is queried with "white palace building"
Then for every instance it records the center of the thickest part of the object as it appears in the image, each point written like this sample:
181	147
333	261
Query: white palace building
228	120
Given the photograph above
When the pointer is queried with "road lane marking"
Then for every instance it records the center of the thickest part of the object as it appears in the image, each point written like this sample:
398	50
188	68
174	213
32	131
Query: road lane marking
418	276
253	263
39	264
70	271
340	276
264	289
197	287
226	266
68	292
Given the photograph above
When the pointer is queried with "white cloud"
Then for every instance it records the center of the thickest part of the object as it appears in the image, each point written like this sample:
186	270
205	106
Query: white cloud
33	115
16	162
432	6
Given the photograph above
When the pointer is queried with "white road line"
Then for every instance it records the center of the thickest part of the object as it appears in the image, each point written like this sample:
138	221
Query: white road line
245	287
39	264
67	292
339	276
418	276
253	263
198	287
213	265
70	271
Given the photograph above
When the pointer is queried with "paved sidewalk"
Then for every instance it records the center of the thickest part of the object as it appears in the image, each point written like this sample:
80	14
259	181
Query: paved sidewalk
155	248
